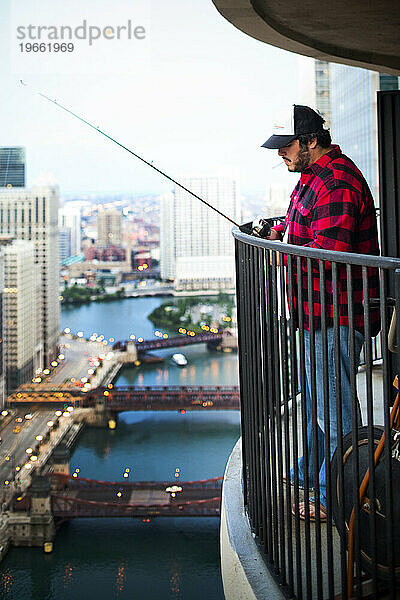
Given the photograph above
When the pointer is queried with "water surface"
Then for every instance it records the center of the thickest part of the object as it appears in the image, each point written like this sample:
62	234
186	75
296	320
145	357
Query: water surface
168	558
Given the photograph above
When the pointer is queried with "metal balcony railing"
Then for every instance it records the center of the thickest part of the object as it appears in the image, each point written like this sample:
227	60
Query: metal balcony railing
344	542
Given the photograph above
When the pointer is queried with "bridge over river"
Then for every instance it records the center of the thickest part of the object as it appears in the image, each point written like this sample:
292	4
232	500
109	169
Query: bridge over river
73	497
121	399
127	398
226	337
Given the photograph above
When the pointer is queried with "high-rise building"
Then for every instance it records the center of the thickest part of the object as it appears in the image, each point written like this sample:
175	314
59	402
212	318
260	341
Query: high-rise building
12	166
21	327
322	90
70	216
314	86
2	324
167	236
64	243
32	214
277	199
109	228
354	116
197	246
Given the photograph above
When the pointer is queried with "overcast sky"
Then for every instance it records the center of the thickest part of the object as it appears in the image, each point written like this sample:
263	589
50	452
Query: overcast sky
196	95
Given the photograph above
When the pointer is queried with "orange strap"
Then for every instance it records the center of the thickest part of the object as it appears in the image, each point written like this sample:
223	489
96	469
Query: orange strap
394	419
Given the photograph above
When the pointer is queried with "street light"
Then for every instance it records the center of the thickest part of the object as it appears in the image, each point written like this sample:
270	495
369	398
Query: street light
173	489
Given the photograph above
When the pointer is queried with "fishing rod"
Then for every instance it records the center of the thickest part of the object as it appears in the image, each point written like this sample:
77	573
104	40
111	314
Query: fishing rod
146	162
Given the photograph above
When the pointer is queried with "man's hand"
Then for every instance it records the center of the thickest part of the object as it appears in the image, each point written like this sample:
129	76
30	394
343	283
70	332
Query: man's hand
273	235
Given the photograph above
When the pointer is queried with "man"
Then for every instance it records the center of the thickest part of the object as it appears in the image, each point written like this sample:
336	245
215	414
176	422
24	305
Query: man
330	208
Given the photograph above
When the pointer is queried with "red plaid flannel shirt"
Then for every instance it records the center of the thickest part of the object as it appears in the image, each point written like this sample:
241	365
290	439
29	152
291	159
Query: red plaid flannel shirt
332	208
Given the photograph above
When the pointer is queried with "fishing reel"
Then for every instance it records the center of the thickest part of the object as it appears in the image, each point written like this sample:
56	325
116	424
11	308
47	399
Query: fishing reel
259	227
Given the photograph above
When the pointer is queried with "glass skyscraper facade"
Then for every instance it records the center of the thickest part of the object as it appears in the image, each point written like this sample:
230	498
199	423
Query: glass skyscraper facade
354	116
313	86
322	91
12	166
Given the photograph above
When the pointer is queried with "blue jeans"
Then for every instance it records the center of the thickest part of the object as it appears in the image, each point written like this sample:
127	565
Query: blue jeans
346	400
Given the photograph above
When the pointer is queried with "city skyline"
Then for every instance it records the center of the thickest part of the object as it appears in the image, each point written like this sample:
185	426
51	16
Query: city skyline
199	103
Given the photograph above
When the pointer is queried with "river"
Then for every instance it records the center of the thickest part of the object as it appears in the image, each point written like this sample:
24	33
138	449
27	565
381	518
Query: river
170	558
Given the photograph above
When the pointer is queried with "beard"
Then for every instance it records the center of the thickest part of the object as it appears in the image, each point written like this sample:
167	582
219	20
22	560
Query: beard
302	161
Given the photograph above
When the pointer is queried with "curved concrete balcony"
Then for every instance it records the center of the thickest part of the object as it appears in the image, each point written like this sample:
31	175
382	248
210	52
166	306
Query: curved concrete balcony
357	33
244	573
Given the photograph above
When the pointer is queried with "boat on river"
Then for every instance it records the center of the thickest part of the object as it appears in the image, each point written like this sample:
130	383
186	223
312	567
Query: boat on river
179	359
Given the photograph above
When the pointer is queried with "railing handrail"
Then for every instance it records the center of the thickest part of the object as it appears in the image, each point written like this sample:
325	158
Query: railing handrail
351	258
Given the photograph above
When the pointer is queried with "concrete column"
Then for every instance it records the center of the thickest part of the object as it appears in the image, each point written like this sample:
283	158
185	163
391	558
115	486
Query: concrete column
60	462
35	527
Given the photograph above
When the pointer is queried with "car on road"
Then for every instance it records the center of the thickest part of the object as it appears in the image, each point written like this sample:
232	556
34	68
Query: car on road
17	429
18	420
29	416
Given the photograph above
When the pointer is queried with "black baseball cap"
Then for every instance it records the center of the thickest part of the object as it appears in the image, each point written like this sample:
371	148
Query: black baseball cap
300	120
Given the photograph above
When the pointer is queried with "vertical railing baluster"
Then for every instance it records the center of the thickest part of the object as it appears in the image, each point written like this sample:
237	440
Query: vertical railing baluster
271	405
387	395
279	357
253	376
267	515
258	383
287	544
327	427
295	452
303	385
240	302
249	393
314	421
370	426
277	460
355	425
338	387
266	321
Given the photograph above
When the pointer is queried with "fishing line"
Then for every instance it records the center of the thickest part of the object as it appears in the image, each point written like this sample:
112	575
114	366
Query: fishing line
150	164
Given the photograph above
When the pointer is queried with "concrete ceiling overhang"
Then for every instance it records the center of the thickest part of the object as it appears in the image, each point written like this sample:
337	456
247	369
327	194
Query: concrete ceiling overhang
362	33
